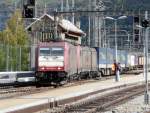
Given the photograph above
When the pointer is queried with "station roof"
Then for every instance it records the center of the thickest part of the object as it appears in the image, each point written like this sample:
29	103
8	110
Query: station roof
66	25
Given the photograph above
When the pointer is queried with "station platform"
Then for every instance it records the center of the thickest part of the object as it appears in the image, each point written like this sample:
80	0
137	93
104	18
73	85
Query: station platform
9	105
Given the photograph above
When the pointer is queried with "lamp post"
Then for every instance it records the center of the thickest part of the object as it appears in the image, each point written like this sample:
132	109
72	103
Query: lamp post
146	98
116	45
146	30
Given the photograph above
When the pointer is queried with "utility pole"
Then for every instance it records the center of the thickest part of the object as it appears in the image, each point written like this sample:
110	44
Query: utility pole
45	9
55	25
95	21
7	58
73	4
67	8
36	15
62	5
15	5
67	5
89	30
146	96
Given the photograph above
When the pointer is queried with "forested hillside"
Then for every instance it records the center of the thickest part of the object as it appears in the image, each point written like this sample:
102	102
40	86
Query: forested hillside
110	4
131	4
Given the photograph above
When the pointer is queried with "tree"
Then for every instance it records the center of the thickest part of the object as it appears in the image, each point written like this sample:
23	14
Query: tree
15	38
15	32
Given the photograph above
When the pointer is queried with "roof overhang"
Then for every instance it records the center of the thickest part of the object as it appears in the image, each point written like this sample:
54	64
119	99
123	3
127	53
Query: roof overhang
64	24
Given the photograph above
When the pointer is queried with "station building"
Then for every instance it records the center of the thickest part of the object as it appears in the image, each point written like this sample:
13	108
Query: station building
47	28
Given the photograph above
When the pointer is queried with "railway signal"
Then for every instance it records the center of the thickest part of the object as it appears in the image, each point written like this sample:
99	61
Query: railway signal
28	12
31	2
29	9
136	35
136	19
145	23
136	30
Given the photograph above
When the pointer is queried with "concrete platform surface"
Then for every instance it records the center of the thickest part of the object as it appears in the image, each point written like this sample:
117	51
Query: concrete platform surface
9	105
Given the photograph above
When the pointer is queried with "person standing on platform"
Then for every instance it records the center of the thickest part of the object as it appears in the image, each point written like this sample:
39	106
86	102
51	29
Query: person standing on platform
115	67
119	67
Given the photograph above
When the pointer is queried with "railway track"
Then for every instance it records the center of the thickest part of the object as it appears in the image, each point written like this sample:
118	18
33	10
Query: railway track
57	105
88	103
22	91
2	87
10	91
101	103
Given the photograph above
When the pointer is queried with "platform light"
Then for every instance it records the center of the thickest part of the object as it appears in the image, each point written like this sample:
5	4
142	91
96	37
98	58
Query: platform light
116	46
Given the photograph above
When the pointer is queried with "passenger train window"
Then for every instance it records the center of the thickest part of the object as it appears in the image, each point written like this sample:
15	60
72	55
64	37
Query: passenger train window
21	75
4	77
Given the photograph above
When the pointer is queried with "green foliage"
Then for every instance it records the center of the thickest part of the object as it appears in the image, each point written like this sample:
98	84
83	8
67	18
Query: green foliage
15	33
25	58
14	58
2	58
19	58
15	39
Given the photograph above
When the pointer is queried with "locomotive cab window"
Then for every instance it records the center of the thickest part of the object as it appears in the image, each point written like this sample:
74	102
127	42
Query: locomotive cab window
58	51
45	51
54	51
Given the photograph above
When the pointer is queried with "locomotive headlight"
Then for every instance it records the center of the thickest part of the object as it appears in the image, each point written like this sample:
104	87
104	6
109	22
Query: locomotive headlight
42	68
59	68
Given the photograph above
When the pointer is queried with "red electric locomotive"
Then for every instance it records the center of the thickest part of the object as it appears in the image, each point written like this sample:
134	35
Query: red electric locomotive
57	62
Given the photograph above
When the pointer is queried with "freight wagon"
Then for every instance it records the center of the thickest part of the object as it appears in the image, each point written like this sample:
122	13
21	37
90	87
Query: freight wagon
106	57
127	60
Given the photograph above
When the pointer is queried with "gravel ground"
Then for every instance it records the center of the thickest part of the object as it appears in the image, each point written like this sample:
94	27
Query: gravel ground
134	106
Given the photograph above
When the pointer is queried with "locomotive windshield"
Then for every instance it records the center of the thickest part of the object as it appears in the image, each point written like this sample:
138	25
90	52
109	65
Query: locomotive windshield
54	51
57	52
44	51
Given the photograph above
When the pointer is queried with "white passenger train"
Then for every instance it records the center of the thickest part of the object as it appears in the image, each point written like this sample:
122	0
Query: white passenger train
16	78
